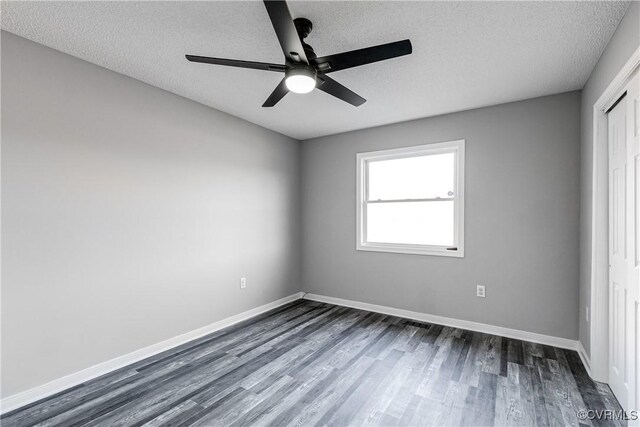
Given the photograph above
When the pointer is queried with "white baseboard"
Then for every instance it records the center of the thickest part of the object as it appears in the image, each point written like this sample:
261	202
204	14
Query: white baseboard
29	396
447	321
586	360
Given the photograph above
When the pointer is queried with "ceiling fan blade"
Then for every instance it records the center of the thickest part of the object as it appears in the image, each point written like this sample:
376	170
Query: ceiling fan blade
334	88
355	58
286	30
237	63
278	93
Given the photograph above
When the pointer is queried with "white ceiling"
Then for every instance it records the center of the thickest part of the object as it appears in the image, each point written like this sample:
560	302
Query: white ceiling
465	54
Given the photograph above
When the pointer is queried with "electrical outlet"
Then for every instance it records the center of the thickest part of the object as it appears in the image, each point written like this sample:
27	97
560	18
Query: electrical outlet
480	291
586	313
243	282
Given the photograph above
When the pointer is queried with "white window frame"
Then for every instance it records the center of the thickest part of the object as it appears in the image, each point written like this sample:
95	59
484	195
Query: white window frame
362	160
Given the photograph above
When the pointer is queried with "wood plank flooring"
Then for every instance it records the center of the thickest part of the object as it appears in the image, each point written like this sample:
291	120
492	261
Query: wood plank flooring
310	363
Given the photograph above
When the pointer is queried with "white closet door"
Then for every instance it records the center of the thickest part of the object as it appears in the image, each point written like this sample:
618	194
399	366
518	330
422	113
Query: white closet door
633	264
624	254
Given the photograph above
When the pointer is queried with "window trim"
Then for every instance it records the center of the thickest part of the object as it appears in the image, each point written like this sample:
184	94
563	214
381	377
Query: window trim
456	146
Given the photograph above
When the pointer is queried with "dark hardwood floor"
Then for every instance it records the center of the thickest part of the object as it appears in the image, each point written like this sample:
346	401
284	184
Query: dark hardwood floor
310	363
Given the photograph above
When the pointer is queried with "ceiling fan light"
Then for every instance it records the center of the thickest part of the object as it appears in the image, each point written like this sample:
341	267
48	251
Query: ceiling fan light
300	80
300	84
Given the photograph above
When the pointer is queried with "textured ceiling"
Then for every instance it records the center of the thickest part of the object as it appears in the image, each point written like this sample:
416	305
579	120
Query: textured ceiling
465	54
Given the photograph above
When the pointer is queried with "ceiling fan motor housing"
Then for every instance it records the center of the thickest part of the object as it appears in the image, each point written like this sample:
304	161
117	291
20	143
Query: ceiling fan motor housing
300	70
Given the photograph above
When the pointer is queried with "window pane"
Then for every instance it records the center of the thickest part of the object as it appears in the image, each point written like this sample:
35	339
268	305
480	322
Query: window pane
418	223
424	177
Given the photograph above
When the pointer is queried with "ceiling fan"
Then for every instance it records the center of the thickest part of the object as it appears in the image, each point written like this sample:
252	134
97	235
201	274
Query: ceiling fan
303	70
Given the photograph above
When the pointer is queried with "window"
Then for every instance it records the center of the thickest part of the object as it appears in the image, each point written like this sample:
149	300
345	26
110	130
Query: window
410	200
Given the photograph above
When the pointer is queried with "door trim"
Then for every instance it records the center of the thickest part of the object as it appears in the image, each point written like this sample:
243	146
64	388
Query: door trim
599	321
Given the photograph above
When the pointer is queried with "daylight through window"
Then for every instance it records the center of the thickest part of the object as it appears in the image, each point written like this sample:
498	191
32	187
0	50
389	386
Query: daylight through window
410	200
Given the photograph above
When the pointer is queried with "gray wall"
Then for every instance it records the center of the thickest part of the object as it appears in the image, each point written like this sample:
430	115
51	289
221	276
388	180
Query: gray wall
521	219
624	42
129	215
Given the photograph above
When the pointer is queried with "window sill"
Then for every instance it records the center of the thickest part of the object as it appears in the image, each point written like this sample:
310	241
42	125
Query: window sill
410	249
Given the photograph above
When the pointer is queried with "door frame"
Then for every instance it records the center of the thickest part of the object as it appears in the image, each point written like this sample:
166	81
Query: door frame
599	318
